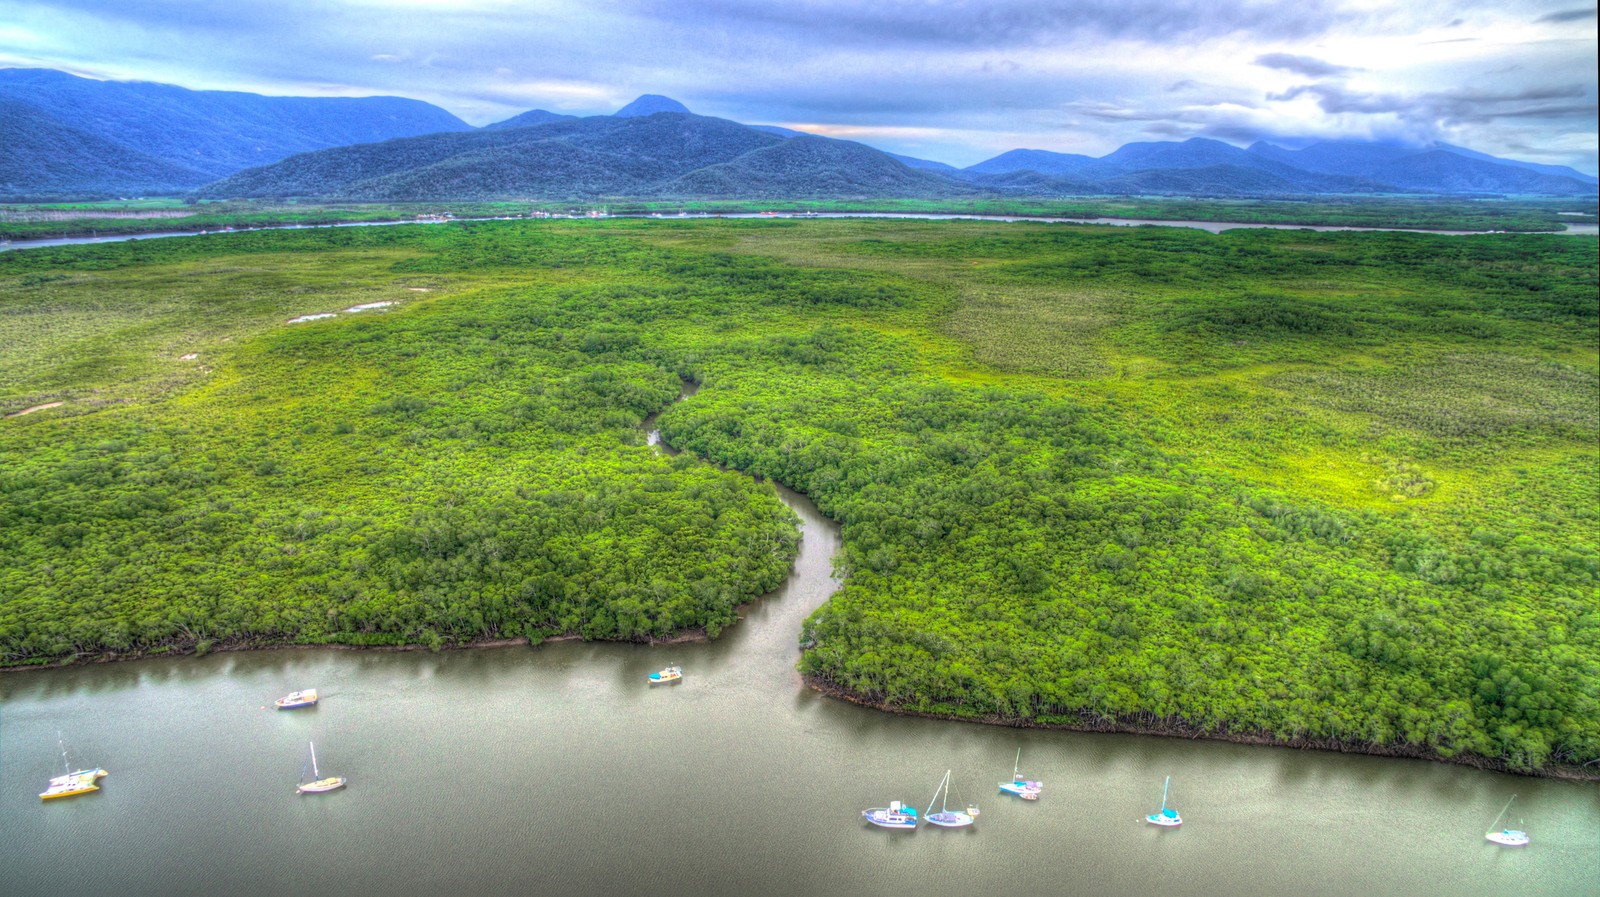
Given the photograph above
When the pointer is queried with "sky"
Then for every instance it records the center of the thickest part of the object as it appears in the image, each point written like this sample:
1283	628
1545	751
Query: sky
958	81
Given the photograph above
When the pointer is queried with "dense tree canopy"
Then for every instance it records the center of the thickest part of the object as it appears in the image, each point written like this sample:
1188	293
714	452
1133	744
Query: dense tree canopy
1317	486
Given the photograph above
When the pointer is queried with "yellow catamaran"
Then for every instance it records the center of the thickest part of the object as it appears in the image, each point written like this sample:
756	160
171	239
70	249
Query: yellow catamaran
81	781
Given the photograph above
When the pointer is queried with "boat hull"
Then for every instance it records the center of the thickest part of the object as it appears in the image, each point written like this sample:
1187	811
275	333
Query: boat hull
322	786
668	675
1024	790
950	819
1509	838
896	817
73	783
297	699
1164	821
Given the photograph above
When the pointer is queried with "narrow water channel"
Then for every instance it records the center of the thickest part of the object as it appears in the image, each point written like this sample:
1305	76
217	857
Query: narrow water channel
557	771
1215	227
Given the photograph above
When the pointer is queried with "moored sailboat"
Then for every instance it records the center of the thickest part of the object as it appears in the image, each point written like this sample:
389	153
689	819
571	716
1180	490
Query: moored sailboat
946	817
1023	788
1509	837
319	783
1166	816
80	781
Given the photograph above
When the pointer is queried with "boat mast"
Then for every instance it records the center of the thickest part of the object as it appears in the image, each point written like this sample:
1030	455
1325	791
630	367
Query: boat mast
935	798
1164	788
314	774
1503	810
1016	766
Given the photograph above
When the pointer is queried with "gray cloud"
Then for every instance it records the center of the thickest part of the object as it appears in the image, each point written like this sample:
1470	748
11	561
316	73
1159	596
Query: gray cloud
1302	65
1453	107
1003	22
1568	15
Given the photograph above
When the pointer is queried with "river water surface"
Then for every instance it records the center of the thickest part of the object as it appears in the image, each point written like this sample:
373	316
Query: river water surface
557	770
1215	227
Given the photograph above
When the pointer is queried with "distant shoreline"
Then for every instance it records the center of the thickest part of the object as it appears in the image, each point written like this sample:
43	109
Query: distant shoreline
1127	726
191	649
91	236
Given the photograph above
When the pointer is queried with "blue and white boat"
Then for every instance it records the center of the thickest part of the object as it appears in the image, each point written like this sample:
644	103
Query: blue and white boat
896	815
1509	837
1023	788
295	699
1166	816
946	817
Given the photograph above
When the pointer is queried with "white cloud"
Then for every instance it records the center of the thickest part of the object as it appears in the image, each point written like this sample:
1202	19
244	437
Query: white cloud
963	80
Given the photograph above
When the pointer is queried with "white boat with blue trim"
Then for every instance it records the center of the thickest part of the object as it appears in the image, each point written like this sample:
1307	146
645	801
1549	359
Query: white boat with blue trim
1508	837
896	815
946	817
295	699
1166	816
1023	788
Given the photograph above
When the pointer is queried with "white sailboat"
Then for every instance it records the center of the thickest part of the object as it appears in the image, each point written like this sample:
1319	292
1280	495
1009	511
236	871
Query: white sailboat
1167	816
1018	785
318	783
946	817
1509	837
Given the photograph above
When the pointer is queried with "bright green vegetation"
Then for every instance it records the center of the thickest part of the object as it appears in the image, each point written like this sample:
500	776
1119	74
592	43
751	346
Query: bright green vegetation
1326	487
460	469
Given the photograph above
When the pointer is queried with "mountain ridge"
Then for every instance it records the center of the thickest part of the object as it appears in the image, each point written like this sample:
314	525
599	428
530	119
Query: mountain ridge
77	136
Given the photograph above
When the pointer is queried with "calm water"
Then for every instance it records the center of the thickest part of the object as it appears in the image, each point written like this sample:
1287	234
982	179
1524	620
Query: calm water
559	771
1216	227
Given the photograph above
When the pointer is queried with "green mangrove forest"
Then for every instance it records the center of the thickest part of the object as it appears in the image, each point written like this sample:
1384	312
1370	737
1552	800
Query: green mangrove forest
1323	488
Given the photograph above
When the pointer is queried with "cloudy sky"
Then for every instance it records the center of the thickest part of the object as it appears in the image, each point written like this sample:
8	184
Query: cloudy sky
942	79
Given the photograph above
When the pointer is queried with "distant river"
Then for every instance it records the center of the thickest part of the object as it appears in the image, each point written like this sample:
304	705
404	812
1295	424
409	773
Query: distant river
558	771
1215	227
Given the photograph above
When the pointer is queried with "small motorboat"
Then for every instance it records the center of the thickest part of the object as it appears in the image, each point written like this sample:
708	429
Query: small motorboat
297	699
896	815
670	674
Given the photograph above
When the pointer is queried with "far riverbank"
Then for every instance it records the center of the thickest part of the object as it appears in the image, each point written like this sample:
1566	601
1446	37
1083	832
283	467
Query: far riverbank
1177	728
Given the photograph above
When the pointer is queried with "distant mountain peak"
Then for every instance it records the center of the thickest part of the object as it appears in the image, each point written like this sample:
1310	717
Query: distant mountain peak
650	104
529	119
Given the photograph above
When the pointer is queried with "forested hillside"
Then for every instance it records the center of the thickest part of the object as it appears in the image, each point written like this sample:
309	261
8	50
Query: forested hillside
205	133
45	157
1332	489
667	154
